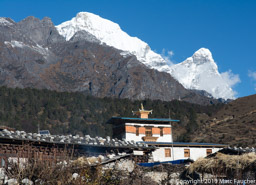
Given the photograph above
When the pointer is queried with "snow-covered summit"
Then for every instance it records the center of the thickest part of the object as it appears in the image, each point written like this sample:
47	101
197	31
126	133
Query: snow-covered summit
111	34
4	21
197	72
203	54
201	72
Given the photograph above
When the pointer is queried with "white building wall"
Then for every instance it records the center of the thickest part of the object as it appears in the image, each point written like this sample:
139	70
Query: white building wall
164	138
132	136
159	155
178	153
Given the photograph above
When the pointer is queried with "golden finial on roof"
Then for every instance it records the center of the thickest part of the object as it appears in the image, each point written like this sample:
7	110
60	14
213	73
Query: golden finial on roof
142	113
142	108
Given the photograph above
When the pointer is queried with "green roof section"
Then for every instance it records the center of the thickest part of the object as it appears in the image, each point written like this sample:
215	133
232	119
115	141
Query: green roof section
142	120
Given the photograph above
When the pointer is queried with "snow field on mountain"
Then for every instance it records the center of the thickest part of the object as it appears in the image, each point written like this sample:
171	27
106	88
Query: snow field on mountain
197	72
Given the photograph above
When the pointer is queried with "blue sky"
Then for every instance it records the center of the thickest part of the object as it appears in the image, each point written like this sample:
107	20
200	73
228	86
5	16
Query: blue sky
226	27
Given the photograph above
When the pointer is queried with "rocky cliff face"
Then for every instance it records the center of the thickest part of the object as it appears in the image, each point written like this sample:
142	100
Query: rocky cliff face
34	54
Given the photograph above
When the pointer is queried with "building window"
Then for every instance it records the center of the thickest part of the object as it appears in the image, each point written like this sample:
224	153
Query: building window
137	131
186	152
208	151
161	131
167	152
148	131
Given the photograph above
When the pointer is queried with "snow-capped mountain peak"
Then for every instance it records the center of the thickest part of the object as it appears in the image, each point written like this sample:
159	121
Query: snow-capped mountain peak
203	53
4	21
89	22
203	56
111	34
197	72
201	72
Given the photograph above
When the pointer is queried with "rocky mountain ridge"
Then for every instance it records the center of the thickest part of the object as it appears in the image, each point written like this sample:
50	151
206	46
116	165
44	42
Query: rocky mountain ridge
34	54
198	72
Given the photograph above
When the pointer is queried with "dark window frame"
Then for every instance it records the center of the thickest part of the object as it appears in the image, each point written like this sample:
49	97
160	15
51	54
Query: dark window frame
161	131
148	131
186	152
208	151
137	131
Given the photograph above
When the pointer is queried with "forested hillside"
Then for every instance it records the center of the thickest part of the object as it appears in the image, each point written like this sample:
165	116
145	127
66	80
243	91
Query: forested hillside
234	123
76	113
